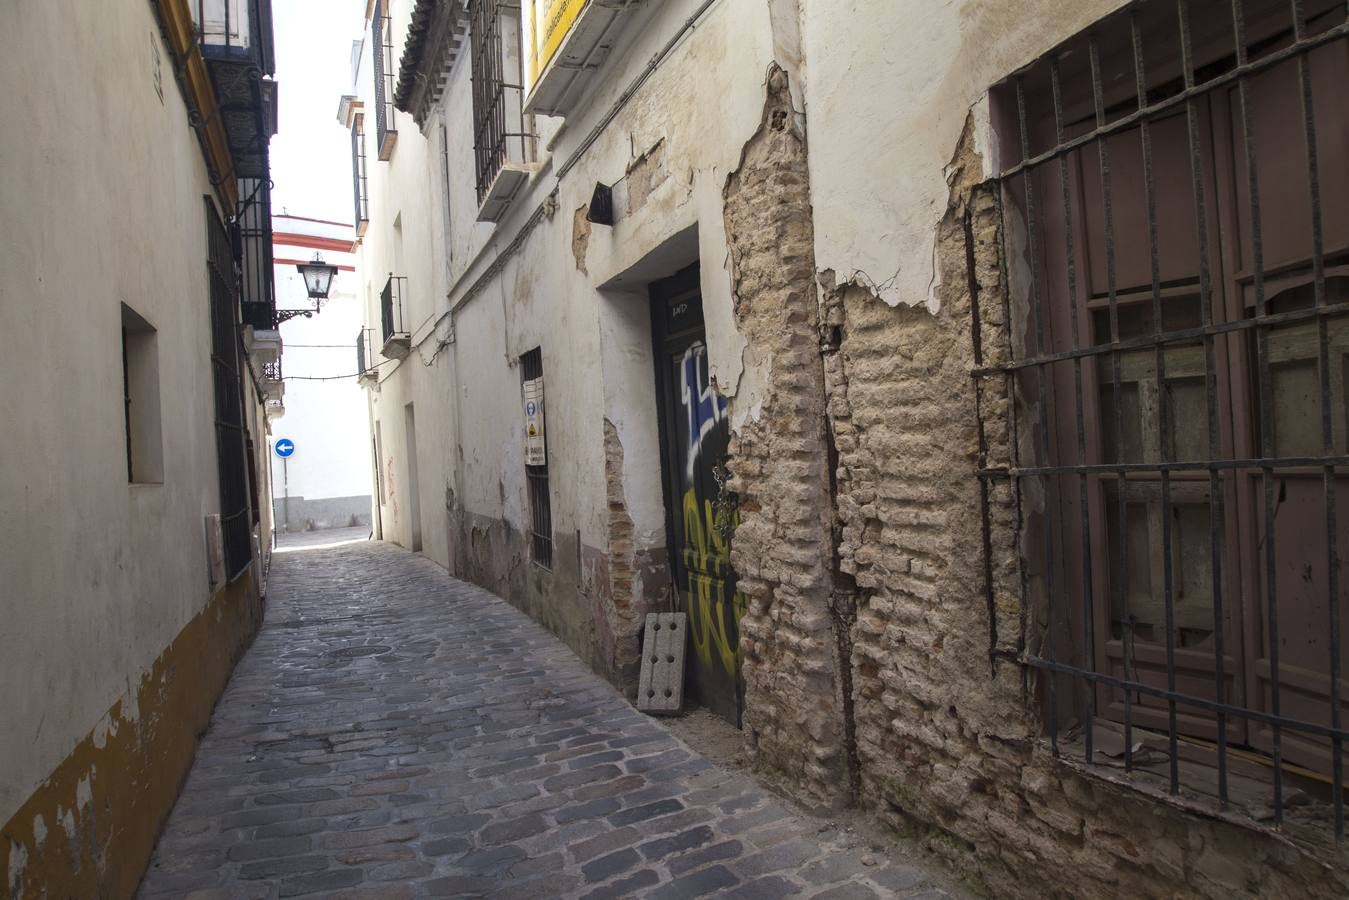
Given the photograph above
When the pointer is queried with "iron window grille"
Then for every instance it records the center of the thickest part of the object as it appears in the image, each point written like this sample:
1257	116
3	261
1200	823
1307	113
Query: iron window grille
361	366
360	187
226	39
1173	340
381	36
391	307
502	132
448	202
230	429
536	479
253	223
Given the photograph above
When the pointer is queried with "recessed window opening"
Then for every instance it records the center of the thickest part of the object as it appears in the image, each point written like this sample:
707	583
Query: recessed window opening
140	398
231	430
501	130
536	474
381	47
1177	251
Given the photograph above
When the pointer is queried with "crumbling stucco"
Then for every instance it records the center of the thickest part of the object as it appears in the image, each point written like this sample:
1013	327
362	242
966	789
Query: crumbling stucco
949	745
620	523
645	173
782	549
580	237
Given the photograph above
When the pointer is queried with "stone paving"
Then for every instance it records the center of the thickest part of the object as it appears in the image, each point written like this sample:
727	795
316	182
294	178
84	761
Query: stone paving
395	733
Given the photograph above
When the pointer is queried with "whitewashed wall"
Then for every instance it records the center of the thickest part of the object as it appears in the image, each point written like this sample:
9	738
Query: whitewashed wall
104	206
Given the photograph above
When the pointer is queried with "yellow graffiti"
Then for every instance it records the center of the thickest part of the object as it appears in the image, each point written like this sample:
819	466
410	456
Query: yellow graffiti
707	560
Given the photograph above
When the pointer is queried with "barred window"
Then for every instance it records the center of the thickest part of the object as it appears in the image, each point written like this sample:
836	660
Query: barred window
536	475
360	188
230	429
1176	243
501	132
381	44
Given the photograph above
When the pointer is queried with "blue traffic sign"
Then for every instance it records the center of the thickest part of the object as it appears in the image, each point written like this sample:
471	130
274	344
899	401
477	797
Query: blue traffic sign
284	447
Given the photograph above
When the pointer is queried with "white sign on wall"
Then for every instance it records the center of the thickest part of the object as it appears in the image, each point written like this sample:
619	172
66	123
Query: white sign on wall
535	451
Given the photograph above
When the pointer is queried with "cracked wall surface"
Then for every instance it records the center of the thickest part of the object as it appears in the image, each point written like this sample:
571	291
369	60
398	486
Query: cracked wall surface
949	746
782	548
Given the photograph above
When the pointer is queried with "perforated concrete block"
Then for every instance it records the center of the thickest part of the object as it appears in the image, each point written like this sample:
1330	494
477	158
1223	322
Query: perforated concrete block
660	690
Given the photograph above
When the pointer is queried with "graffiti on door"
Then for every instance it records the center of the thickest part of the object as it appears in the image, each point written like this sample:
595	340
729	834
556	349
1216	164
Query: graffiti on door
704	407
713	623
707	525
701	507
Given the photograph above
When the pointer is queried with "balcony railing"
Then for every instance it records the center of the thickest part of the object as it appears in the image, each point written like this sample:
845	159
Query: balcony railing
253	230
396	338
235	37
504	143
360	187
381	33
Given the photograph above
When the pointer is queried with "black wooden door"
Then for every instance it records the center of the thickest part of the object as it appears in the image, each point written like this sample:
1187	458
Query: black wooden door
699	517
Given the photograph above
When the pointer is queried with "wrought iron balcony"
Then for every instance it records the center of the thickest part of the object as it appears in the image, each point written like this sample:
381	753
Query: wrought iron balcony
235	37
381	34
504	144
397	341
366	368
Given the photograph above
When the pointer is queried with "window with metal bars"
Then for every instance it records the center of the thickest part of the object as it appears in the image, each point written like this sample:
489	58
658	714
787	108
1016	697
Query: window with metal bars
230	429
1176	251
360	188
391	307
253	221
502	132
381	45
536	477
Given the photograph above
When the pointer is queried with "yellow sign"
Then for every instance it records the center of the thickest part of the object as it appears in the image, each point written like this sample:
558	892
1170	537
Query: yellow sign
547	23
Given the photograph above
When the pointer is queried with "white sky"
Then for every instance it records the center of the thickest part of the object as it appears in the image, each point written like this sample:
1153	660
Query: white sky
311	153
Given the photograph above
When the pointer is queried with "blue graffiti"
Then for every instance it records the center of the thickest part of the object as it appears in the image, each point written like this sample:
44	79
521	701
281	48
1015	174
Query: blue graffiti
703	406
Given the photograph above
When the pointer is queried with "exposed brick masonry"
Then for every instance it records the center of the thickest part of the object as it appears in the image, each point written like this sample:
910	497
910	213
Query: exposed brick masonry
782	550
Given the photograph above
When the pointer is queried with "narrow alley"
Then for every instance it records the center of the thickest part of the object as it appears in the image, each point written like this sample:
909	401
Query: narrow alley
674	448
394	732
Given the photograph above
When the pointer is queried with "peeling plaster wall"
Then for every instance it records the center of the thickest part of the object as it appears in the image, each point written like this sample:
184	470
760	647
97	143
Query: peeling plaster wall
877	168
837	301
782	547
948	746
580	294
101	579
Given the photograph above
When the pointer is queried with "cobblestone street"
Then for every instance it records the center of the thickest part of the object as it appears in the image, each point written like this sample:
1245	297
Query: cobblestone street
394	733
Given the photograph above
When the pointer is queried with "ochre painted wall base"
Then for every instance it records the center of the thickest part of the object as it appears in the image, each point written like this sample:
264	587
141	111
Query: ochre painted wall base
90	828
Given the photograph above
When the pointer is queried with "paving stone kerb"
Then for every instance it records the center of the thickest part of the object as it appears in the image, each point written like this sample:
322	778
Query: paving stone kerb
394	732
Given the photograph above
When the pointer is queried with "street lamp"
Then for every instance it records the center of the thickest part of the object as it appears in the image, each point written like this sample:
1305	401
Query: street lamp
318	278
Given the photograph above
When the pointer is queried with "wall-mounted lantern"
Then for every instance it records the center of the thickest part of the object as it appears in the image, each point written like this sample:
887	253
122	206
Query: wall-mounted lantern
318	278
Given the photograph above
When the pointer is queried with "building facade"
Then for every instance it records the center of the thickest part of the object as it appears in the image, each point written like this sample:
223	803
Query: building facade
137	314
325	482
968	374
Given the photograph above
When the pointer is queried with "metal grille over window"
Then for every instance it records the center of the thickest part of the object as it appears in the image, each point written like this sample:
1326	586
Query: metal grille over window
501	131
1172	335
254	222
381	35
360	188
229	418
391	307
536	466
